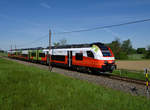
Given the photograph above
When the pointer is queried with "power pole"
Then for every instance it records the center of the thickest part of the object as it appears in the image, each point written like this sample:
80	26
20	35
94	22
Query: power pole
50	47
11	48
15	48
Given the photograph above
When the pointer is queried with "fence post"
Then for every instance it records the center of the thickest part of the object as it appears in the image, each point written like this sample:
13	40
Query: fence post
147	82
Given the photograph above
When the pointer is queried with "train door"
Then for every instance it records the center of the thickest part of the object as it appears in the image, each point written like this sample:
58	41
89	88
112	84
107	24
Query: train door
37	55
29	55
69	54
47	57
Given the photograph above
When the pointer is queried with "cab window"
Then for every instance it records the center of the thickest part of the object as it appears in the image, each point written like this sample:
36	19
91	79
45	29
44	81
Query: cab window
90	54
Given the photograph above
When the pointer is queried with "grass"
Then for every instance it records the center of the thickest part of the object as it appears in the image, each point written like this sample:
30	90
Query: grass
135	57
30	88
3	54
131	74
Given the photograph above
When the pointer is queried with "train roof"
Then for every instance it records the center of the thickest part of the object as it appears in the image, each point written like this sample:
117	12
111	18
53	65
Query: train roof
76	45
62	46
36	48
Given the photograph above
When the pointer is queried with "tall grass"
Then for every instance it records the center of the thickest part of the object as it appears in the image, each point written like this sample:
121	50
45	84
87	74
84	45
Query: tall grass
131	74
136	57
3	54
30	88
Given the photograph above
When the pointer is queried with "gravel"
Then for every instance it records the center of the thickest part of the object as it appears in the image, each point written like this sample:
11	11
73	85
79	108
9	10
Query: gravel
133	89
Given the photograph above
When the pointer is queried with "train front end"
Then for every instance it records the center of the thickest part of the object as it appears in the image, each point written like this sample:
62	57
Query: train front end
105	57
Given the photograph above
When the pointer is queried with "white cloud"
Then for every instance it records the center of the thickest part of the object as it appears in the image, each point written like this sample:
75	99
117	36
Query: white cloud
45	5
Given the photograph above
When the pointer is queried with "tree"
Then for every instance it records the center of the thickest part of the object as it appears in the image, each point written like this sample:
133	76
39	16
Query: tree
56	44
121	50
117	50
61	42
147	55
127	46
1	51
141	50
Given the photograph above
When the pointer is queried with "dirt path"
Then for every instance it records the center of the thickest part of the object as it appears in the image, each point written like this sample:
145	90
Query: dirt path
133	65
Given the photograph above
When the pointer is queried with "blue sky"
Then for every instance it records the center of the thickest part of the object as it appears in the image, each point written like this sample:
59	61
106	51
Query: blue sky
23	21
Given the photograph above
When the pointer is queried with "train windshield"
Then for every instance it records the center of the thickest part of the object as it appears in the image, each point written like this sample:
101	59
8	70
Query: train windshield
105	51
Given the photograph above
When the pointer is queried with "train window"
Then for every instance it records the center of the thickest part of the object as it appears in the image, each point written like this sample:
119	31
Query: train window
58	57
79	56
24	55
106	53
33	54
90	54
103	47
41	54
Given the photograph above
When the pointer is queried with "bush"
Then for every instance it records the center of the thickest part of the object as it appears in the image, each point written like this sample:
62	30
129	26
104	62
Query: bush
147	55
121	56
141	51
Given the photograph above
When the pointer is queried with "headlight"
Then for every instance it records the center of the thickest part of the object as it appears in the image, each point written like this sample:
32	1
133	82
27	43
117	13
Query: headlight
105	62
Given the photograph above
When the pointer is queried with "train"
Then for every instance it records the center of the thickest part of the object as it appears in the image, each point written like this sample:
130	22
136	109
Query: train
95	57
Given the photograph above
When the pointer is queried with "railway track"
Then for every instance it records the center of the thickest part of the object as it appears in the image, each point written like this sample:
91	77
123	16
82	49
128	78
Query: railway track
132	86
126	79
114	77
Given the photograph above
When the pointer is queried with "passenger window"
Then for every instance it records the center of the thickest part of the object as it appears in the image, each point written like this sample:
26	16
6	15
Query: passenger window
24	55
33	54
79	56
90	54
41	54
58	57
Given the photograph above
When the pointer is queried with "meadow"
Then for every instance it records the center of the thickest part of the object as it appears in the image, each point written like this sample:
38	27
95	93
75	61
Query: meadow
135	57
130	74
30	88
3	54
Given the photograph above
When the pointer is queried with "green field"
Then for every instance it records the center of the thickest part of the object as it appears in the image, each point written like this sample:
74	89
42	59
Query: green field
30	88
131	74
135	57
3	54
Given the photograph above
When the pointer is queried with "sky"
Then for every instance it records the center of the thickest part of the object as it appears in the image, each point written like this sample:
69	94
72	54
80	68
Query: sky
26	23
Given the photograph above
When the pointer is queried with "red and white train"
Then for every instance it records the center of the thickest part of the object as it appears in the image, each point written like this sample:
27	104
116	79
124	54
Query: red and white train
94	57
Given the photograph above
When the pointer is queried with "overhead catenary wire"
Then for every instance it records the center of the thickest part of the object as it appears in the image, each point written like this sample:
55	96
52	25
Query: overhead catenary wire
88	29
103	27
36	40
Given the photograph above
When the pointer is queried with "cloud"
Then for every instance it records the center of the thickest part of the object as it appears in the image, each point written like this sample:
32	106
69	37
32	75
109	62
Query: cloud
45	5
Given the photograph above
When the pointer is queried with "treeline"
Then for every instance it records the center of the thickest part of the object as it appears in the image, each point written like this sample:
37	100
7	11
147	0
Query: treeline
122	49
2	51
